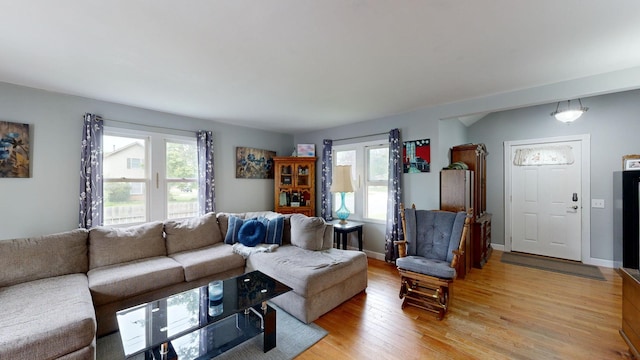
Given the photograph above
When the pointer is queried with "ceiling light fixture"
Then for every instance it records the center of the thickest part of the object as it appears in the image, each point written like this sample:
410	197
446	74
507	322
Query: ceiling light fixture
568	114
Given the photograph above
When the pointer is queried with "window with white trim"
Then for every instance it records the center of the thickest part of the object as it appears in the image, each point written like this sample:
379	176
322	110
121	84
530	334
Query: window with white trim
148	176
369	173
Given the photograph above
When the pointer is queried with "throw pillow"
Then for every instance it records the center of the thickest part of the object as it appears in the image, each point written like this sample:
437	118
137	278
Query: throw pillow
275	229
307	232
251	233
232	230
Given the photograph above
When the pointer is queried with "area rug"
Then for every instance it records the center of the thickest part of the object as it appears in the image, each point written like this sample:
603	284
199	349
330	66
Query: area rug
292	338
550	264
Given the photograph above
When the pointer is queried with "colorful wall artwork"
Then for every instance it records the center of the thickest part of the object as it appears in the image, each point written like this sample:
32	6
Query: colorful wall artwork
306	150
416	156
254	163
14	150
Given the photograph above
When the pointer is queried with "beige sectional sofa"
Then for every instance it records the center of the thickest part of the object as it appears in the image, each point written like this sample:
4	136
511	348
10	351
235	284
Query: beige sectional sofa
59	291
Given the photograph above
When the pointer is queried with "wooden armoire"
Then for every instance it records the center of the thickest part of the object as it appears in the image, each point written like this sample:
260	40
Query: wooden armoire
475	157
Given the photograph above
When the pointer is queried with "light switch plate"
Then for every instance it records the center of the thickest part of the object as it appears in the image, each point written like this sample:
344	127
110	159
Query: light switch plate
597	203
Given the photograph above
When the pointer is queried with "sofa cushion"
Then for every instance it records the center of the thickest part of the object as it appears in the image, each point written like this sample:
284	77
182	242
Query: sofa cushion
42	257
208	261
120	281
309	272
252	232
307	232
193	233
46	318
111	245
275	229
431	267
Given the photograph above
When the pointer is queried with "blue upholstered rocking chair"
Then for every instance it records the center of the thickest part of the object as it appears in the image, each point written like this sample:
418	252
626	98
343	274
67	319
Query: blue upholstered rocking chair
432	248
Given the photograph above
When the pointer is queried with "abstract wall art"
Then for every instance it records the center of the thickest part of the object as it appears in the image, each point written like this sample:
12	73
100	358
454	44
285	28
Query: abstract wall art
416	156
254	163
14	150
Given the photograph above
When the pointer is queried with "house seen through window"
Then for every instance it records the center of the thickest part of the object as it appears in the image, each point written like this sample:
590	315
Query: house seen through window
369	173
148	176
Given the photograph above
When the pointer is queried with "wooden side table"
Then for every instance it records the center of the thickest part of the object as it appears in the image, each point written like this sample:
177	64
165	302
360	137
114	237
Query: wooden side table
341	232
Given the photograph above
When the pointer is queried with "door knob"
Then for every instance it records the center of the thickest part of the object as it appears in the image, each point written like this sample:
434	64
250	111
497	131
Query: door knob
575	207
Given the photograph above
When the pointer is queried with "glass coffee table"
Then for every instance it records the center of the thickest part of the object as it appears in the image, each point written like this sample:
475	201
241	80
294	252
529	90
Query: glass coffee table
191	325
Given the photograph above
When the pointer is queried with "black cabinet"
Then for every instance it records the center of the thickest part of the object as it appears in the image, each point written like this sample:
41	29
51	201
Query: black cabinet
626	226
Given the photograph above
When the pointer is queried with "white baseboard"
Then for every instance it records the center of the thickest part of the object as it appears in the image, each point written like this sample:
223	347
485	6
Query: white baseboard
370	254
601	262
499	247
374	255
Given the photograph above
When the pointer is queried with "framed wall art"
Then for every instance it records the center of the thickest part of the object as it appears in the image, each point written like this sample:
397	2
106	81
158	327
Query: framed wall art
306	150
631	162
254	163
416	156
14	150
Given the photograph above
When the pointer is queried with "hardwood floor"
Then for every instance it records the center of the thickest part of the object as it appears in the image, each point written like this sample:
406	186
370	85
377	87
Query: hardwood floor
500	312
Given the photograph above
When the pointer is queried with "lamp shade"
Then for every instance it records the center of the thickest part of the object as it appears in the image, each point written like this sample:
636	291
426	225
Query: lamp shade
341	181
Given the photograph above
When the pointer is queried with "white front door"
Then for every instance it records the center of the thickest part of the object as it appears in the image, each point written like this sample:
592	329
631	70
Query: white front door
546	195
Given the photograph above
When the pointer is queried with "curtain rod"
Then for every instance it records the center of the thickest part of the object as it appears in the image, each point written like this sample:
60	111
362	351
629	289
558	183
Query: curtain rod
361	136
190	132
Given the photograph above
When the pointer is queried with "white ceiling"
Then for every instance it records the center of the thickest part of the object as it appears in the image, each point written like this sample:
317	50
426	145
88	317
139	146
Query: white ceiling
301	65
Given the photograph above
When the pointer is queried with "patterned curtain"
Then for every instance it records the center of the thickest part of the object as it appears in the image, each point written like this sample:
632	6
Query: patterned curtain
327	171
394	229
91	172
206	184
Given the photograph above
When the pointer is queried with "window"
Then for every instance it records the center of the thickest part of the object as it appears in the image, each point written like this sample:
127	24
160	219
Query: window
148	176
134	163
370	173
376	181
182	179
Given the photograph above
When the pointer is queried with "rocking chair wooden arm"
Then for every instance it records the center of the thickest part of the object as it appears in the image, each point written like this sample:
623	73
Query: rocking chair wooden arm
457	255
402	247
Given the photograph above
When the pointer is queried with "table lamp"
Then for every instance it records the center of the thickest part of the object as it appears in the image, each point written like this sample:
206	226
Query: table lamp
342	184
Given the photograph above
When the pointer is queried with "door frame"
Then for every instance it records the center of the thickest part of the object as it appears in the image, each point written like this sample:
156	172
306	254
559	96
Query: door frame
585	213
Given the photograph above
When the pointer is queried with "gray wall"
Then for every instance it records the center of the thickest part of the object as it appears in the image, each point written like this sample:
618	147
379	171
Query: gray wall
613	123
48	201
420	189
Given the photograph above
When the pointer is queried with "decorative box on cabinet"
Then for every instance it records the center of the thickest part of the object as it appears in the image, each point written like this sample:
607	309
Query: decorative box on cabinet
294	185
456	194
475	156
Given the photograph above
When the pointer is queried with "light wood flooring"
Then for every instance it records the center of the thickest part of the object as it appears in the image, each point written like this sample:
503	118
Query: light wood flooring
499	312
